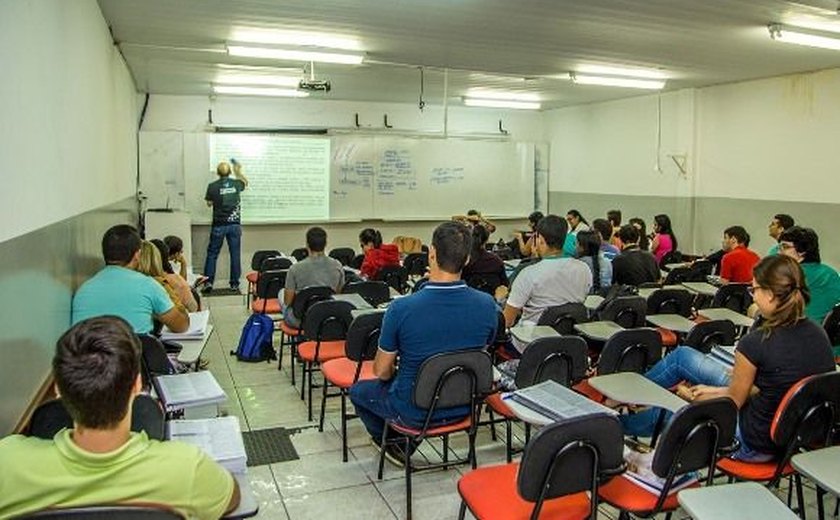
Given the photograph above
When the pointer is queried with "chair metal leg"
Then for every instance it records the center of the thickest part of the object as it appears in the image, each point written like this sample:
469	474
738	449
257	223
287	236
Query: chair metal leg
820	506
492	424
382	442
446	450
462	511
407	478
527	433
508	441
471	456
280	352
303	365
800	500
343	425
323	406
309	392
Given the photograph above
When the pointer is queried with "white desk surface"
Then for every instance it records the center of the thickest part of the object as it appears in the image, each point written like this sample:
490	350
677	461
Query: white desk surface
527	415
248	505
372	310
669	267
740	501
354	299
192	348
701	288
726	314
636	389
598	330
593	301
528	333
673	322
821	466
645	292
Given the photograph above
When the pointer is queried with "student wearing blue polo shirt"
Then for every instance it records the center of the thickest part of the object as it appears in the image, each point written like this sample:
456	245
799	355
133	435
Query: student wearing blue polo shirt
444	316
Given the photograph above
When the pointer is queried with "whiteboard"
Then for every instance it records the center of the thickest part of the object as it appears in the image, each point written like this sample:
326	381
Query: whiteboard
161	167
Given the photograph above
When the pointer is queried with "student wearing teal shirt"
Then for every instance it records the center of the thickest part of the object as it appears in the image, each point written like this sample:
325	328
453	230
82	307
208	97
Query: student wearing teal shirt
779	223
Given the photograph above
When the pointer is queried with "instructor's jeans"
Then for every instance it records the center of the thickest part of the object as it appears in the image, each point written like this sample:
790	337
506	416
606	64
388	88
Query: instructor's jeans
233	234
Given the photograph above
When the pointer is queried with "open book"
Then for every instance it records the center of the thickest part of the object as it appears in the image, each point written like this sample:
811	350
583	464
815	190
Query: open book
220	438
189	390
198	327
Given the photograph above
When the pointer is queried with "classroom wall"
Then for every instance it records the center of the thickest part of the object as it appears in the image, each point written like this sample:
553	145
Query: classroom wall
68	125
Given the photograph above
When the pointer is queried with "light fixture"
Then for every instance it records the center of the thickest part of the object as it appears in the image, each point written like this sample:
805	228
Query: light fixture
294	38
256	80
258	91
281	53
785	34
607	81
501	103
504	96
610	70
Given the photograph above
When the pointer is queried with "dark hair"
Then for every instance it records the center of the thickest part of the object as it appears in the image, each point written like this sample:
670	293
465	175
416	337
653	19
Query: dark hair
120	244
553	229
738	233
535	217
575	213
589	244
164	255
95	366
175	244
452	242
783	276
662	225
644	242
480	235
604	228
805	241
628	234
473	213
316	239
785	220
614	217
371	236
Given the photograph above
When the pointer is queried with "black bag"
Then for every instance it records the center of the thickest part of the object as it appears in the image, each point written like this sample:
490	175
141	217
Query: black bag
615	291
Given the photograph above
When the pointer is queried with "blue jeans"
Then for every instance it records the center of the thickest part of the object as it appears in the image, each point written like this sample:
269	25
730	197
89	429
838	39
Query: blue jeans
686	364
233	234
373	406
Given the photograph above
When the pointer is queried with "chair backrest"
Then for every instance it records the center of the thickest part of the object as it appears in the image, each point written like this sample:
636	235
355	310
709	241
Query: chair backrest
270	283
344	255
260	255
453	379
700	270
147	512
275	263
707	334
328	320
375	293
677	276
309	296
807	414
671	257
627	311
50	417
395	276
416	263
733	296
561	358
363	336
633	350
357	261
570	456
484	282
563	318
670	301
300	253
153	359
831	324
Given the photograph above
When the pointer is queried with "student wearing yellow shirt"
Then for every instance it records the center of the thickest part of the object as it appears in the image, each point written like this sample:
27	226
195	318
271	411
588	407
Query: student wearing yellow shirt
100	461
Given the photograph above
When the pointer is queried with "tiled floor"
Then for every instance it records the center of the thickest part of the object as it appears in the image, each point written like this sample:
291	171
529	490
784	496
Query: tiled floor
318	485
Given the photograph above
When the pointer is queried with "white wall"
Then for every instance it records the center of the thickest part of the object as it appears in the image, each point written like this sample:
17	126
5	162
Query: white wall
68	114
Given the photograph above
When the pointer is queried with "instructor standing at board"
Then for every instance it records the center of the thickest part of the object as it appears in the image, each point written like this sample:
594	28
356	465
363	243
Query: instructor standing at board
223	196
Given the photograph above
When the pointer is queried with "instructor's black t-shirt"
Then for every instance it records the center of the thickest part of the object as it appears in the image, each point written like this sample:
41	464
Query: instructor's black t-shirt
783	358
224	194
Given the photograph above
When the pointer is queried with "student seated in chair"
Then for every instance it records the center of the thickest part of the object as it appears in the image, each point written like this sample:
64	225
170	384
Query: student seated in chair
738	261
444	316
803	245
377	254
119	290
777	226
484	262
633	266
100	461
316	270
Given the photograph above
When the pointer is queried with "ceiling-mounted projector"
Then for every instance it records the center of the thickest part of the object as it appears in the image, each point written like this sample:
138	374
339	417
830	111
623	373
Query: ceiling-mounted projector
314	85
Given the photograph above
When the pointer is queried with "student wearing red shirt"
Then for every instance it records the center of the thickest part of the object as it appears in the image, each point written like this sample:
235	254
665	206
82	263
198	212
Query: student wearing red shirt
737	263
377	254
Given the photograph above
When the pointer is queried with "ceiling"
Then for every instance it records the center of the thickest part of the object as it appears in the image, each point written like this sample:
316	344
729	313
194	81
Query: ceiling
178	47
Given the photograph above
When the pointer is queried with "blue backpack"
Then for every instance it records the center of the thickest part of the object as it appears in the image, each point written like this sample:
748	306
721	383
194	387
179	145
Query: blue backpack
257	340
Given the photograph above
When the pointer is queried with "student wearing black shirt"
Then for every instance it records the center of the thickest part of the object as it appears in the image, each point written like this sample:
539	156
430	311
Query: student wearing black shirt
783	349
223	196
633	266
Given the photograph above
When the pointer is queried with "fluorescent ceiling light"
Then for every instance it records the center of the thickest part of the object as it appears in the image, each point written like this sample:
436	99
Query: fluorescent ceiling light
498	103
258	91
621	71
784	34
254	79
507	96
295	38
278	53
617	82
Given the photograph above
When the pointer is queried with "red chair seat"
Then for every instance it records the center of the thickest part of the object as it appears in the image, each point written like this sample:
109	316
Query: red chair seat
756	471
289	330
340	372
669	337
463	424
586	389
498	405
490	492
328	350
626	495
252	276
272	306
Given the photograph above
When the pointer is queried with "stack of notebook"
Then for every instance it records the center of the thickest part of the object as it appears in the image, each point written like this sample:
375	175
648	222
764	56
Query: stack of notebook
189	390
555	401
198	327
220	438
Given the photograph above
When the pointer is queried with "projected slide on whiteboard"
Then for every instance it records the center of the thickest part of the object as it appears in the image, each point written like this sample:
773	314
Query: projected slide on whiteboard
289	177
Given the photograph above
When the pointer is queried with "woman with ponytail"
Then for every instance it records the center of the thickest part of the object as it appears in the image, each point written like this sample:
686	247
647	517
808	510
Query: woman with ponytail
377	254
782	348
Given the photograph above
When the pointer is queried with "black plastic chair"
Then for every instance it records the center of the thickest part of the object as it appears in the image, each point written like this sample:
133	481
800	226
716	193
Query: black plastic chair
51	417
677	276
484	282
267	291
671	257
153	360
395	276
345	255
447	380
633	350
670	301
357	262
627	311
375	293
734	296
107	513
700	270
707	334
300	253
831	324
563	318
266	263
562	462
416	263
292	335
